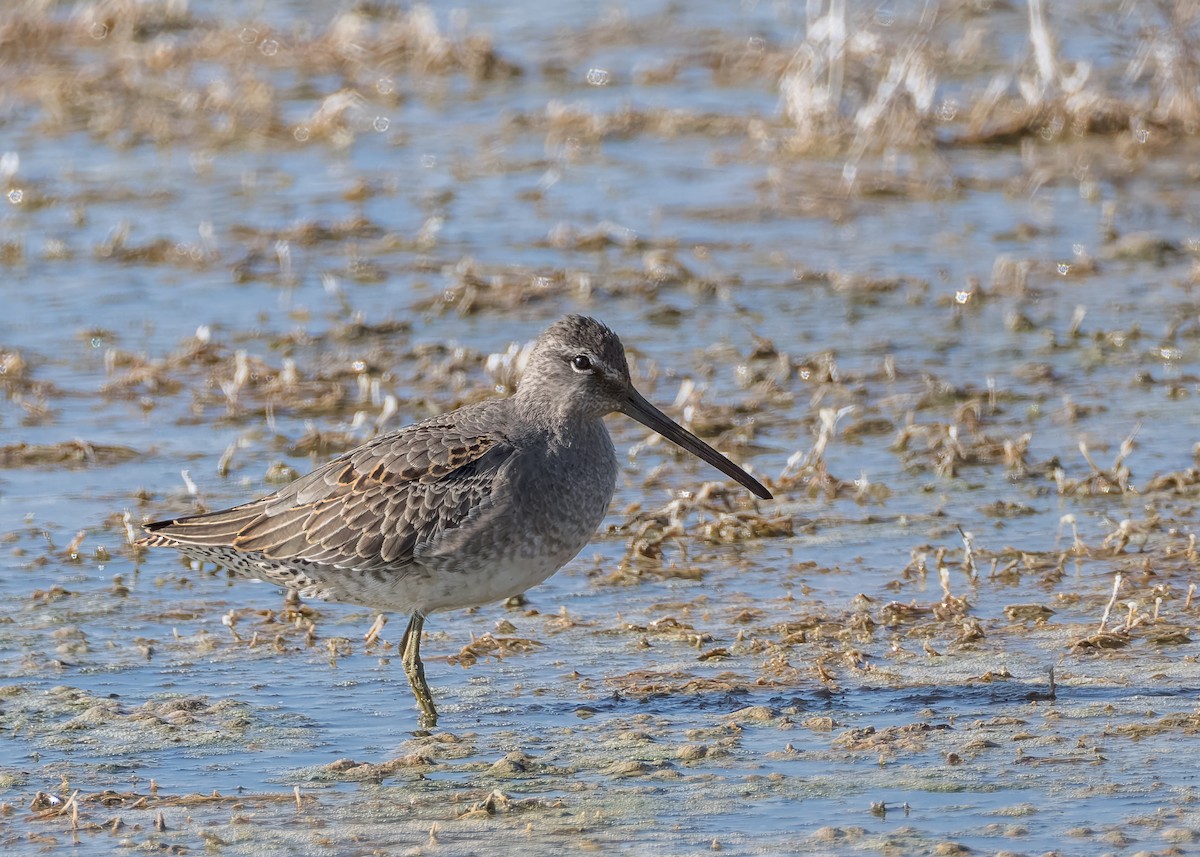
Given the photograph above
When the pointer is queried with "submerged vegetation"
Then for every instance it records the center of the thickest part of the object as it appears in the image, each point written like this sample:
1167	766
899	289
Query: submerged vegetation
929	271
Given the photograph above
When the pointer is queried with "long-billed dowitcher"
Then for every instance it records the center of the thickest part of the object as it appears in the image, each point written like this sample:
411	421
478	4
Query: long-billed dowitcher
459	510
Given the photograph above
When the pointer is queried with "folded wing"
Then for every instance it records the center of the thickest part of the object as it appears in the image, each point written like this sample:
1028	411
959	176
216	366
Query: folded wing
370	509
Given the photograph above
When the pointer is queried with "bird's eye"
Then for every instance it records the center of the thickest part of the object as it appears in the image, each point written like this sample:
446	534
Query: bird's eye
581	363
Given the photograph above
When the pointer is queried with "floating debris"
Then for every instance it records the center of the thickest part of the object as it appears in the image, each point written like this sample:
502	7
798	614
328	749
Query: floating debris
70	454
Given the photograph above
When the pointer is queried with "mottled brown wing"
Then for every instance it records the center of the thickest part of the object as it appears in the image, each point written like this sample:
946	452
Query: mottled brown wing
368	509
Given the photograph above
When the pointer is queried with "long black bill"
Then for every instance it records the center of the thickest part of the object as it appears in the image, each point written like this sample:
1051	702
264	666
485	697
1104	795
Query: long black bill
651	417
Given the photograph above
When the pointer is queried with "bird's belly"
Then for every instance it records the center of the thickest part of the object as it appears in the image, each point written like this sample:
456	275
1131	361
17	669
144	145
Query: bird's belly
502	578
476	578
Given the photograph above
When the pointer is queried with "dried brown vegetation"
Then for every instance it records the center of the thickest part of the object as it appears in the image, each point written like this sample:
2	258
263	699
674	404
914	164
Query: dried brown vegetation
937	289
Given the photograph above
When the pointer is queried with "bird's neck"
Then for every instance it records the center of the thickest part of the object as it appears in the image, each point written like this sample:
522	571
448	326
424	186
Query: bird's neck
548	414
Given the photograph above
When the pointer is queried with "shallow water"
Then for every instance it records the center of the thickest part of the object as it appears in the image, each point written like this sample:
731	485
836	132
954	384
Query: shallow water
838	682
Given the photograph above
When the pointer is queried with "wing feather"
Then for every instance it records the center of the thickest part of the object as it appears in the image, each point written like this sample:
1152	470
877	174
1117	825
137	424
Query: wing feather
373	507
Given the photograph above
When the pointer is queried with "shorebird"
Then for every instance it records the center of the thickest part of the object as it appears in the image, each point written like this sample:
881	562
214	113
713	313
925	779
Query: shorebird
470	507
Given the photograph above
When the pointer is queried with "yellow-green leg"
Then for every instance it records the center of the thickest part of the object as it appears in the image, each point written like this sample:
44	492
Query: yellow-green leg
410	657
